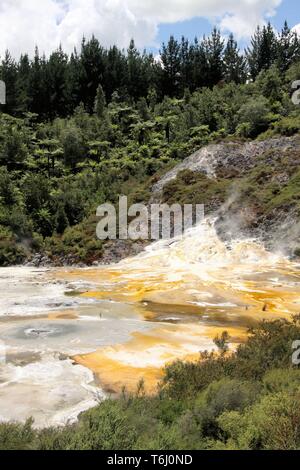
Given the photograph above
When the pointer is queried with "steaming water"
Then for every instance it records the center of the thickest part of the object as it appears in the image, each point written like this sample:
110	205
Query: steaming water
70	337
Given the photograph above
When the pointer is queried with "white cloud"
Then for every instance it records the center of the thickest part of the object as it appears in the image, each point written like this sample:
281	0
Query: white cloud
297	28
25	23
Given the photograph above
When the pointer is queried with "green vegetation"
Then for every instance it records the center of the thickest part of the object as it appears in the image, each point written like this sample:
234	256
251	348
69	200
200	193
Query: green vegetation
79	131
195	188
53	174
55	86
264	188
230	401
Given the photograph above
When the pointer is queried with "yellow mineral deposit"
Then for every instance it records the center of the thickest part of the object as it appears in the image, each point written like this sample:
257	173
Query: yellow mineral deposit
194	288
72	336
63	315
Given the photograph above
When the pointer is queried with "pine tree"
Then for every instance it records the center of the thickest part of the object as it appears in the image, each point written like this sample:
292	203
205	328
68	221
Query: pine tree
234	63
74	82
23	83
200	66
140	69
115	73
214	47
100	102
288	50
263	51
134	71
38	93
55	86
268	46
253	53
93	62
170	57
56	75
186	64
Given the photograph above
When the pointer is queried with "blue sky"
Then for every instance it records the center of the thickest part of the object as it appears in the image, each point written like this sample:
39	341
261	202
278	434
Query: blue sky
48	23
288	10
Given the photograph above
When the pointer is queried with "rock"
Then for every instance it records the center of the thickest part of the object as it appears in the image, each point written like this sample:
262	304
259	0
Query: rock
216	159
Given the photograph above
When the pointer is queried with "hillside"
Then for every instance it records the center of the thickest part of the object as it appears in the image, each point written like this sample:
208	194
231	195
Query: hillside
252	188
53	175
77	131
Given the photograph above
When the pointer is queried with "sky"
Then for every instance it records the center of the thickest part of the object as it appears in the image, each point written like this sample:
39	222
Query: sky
48	23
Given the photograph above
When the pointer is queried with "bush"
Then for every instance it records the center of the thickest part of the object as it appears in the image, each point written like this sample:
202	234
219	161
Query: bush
10	251
17	436
280	380
277	419
204	405
253	117
229	394
288	126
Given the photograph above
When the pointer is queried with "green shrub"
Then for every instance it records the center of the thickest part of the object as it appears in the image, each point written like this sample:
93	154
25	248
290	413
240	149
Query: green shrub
288	126
10	251
253	117
277	420
14	436
280	380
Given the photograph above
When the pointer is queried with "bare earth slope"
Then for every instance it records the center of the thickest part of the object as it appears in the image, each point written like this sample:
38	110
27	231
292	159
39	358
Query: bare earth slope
215	158
253	188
